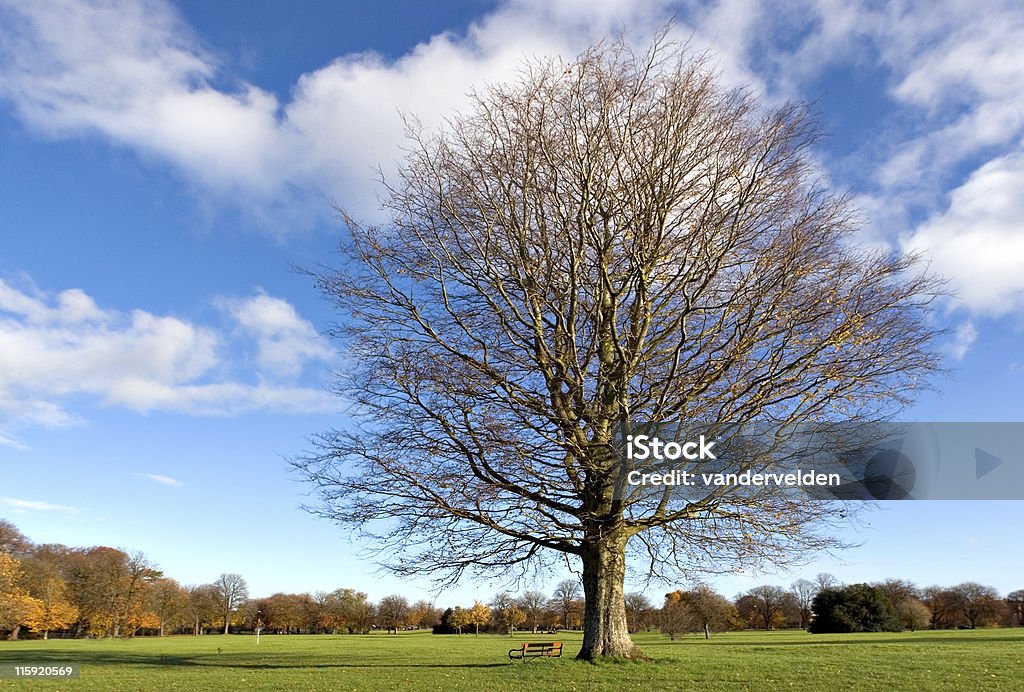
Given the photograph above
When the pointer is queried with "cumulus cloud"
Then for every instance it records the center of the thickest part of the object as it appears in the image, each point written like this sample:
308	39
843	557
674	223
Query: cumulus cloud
942	174
978	241
134	72
284	340
58	347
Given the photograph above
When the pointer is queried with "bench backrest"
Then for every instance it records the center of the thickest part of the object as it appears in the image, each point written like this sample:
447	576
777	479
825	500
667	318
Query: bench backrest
528	646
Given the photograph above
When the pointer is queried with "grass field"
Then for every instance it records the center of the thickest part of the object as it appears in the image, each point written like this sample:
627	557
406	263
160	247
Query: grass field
981	659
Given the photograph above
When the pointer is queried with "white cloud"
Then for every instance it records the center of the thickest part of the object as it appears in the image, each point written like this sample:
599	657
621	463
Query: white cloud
162	480
33	505
956	71
963	338
284	340
59	348
133	72
978	241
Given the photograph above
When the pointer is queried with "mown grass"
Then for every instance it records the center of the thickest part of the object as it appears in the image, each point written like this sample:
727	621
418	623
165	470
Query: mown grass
961	660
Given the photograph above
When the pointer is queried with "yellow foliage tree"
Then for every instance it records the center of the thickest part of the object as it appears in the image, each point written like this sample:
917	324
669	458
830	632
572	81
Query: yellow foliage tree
16	606
479	614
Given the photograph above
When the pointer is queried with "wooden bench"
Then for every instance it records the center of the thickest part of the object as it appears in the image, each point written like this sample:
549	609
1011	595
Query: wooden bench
536	650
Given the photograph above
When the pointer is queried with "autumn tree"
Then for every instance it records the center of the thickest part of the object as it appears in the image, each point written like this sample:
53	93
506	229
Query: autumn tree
53	610
603	243
424	614
109	587
231	592
479	614
12	541
700	609
349	610
16	606
202	607
393	612
509	616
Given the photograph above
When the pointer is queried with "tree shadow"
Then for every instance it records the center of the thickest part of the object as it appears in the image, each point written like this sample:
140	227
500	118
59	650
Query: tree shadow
220	660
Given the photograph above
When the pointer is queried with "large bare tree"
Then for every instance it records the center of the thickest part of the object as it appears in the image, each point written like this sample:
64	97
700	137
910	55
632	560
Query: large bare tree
612	240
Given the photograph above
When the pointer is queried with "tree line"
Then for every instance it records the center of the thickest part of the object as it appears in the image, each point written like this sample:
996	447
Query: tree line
107	592
825	605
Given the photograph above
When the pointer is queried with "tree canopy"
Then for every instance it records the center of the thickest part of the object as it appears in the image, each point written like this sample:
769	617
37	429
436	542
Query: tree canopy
603	242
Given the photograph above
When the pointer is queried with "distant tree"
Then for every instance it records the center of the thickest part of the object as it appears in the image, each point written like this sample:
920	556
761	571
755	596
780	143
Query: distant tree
286	613
16	606
424	615
853	608
700	609
638	611
203	607
1015	600
348	610
478	615
942	603
824	580
232	593
12	540
565	598
509	616
906	599
803	594
460	618
977	603
769	602
533	603
674	617
169	602
914	615
393	612
108	587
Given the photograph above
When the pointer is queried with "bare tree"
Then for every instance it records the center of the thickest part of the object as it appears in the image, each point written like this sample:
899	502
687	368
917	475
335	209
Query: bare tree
605	242
769	602
564	599
978	603
533	603
638	611
804	592
232	593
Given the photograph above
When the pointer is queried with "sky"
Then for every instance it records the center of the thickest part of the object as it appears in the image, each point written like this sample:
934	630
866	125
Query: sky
168	169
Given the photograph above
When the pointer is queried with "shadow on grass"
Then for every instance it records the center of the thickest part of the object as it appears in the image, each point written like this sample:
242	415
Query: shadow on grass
221	660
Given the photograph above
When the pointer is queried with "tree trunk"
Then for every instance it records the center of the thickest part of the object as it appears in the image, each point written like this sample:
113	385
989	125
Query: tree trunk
707	632
13	636
605	632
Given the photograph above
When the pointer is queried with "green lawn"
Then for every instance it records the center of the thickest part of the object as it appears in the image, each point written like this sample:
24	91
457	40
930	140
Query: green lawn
985	659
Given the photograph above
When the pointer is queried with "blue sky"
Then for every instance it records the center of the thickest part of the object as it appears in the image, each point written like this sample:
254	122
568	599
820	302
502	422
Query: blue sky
163	167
